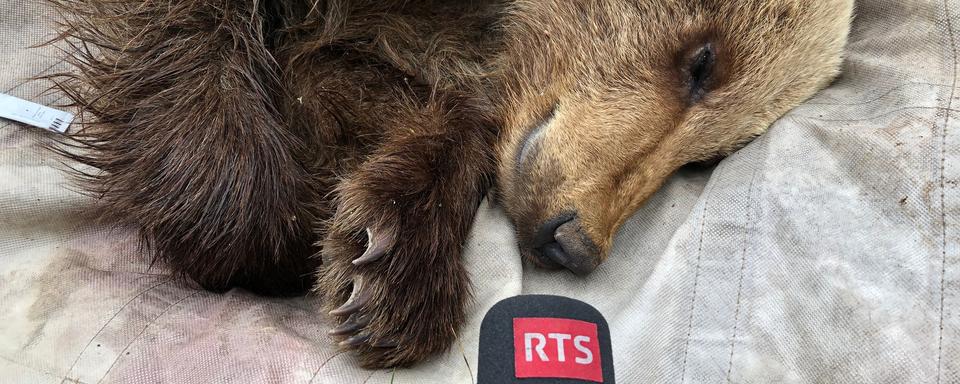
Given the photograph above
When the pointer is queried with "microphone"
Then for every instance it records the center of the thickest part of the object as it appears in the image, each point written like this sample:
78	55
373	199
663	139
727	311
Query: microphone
542	339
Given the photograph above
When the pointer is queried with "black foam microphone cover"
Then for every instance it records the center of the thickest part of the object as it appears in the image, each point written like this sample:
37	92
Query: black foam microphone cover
541	339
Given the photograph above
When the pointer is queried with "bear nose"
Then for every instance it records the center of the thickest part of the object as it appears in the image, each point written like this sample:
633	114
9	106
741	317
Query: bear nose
561	242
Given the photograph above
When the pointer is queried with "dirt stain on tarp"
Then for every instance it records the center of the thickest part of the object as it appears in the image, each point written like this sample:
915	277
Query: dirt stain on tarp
67	273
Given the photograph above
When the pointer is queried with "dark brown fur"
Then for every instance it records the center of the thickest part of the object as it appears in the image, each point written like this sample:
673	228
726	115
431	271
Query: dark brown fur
245	137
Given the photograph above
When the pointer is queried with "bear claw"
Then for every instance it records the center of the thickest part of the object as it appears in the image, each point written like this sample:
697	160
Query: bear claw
355	341
358	298
378	244
385	344
353	324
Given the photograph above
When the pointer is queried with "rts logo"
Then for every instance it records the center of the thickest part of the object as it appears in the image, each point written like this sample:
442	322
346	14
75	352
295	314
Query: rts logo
556	348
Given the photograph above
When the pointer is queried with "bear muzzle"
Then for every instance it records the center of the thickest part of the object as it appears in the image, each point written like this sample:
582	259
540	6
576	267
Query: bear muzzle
561	242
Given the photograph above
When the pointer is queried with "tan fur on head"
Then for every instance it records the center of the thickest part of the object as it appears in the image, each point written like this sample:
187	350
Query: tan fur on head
606	81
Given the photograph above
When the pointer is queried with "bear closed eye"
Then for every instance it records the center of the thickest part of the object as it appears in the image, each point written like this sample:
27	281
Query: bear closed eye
699	71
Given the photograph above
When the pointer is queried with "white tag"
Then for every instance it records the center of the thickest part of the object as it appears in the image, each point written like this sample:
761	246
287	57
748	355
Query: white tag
34	114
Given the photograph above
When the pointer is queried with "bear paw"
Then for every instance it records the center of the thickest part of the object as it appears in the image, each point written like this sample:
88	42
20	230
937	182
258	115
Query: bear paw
392	279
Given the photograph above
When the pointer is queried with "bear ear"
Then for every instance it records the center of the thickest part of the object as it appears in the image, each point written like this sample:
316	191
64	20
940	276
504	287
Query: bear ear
698	69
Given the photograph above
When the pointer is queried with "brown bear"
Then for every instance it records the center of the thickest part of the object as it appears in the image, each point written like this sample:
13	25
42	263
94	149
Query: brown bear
344	145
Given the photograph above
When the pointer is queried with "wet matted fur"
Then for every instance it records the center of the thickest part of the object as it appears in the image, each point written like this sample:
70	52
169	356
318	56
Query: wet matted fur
249	140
